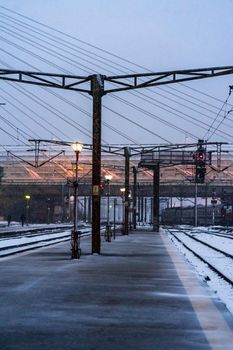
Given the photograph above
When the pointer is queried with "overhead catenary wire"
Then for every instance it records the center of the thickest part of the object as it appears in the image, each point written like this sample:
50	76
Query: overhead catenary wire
212	124
183	116
69	102
103	60
91	63
14	138
184	131
18	130
75	39
9	101
149	131
105	123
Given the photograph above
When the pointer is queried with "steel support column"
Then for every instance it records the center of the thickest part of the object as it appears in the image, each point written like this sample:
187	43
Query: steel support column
156	175
195	205
139	206
97	85
85	209
142	210
145	211
127	156
134	197
89	209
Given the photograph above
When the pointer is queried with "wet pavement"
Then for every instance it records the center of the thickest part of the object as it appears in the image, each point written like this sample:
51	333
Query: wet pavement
139	293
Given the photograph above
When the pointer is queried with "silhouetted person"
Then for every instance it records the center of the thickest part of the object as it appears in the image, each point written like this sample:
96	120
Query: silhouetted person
8	220
22	218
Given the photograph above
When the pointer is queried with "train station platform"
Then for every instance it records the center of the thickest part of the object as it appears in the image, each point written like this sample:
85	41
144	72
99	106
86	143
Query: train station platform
139	293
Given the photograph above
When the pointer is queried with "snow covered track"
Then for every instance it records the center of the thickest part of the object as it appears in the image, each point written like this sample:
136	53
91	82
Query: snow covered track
16	230
19	242
217	259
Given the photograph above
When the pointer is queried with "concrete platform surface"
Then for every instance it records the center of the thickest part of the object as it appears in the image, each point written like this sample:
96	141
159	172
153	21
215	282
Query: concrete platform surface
138	294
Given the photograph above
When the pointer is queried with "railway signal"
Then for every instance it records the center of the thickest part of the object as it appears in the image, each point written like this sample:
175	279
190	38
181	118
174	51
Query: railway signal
102	187
200	161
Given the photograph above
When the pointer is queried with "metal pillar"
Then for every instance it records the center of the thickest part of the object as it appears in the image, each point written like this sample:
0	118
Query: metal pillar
127	156
145	211
206	202
134	197
138	208
48	210
114	217
85	209
195	206
75	235
97	86
151	211
142	210
181	209
62	203
156	176
89	209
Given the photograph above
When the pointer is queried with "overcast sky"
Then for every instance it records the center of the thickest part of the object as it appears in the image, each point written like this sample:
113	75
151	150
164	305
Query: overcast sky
155	34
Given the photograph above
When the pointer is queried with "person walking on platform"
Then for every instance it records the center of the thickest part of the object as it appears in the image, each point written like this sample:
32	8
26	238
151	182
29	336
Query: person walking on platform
22	218
8	220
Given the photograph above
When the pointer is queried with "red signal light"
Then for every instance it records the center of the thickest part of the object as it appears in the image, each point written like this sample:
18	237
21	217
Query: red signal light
101	188
201	156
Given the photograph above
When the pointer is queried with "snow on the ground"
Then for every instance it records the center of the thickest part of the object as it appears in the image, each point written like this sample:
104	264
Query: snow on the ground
223	289
13	241
33	239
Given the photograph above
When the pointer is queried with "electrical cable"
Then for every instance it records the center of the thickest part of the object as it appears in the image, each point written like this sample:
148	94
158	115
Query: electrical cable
113	112
96	65
95	47
89	53
185	131
78	108
212	125
18	130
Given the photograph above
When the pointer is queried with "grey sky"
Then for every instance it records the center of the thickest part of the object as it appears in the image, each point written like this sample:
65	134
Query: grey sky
157	35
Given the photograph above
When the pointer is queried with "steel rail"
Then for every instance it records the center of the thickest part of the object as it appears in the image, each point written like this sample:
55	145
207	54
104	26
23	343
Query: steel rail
213	268
37	244
207	244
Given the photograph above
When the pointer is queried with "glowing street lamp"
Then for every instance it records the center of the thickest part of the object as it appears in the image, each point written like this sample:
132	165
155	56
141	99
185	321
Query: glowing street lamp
108	231
123	207
108	178
122	191
27	197
75	236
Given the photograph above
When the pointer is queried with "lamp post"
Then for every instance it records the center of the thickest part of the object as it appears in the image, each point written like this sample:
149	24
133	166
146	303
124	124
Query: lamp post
130	211
75	237
123	207
71	207
27	197
108	178
48	211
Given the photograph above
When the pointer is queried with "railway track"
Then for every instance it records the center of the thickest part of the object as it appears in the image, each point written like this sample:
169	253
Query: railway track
216	259
19	242
17	232
219	233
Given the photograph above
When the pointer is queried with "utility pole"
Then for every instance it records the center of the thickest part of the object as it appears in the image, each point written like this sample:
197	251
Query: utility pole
127	156
195	205
145	212
134	197
156	175
97	91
